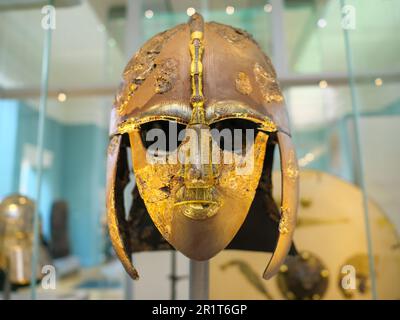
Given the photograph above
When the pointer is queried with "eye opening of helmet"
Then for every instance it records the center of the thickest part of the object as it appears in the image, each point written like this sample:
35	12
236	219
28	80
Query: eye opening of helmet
234	134
169	131
231	134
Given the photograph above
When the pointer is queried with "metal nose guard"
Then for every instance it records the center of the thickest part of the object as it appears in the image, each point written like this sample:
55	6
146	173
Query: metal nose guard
198	195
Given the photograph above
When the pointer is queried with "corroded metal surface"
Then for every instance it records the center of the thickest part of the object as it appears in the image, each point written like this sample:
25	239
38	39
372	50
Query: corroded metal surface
199	75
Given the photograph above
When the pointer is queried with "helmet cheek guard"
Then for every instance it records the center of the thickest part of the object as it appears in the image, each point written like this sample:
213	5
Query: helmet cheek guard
289	204
117	179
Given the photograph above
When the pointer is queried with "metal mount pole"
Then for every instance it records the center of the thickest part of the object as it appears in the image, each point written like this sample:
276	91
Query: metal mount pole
7	286
198	281
173	277
128	287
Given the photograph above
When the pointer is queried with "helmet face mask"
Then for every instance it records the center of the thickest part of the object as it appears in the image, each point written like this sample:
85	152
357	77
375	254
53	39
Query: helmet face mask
198	207
199	182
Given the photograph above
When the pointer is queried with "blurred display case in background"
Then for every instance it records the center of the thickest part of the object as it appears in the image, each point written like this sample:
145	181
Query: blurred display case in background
337	62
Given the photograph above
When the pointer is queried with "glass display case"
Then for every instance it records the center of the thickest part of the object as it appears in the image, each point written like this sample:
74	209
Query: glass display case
61	63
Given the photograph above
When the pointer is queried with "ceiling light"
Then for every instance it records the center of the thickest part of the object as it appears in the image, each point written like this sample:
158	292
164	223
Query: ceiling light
378	82
149	14
268	8
323	84
190	11
230	10
62	97
322	23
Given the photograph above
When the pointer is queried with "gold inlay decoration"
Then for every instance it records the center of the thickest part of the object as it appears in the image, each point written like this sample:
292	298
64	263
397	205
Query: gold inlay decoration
166	75
196	48
283	268
133	124
243	84
268	125
122	106
113	145
324	273
284	222
292	172
141	66
268	85
128	125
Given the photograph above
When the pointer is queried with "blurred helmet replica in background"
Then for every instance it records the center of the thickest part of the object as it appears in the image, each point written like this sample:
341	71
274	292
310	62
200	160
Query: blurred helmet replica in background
206	79
16	239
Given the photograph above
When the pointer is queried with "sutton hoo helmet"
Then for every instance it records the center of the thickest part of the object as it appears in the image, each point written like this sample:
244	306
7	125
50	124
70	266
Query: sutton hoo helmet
209	80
